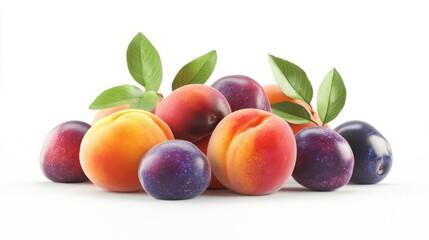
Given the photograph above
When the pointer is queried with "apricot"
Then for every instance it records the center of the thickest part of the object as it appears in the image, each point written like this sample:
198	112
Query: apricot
202	145
112	148
275	95
193	111
252	152
107	111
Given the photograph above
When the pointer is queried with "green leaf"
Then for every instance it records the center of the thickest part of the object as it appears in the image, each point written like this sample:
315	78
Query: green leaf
291	79
144	63
291	112
116	96
331	96
197	71
147	101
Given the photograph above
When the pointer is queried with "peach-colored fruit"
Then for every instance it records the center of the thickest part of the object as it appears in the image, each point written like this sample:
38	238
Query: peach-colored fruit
112	148
202	145
193	111
252	152
107	111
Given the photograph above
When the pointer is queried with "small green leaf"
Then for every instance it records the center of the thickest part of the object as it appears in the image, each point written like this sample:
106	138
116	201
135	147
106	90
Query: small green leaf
116	96
331	96
291	79
291	112
197	71
144	63
147	101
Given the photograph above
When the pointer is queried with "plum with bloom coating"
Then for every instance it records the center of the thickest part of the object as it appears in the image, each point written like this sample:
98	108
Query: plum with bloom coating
174	170
324	159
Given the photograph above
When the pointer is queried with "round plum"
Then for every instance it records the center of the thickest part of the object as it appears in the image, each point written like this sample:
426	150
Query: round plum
373	154
174	170
324	159
242	92
59	158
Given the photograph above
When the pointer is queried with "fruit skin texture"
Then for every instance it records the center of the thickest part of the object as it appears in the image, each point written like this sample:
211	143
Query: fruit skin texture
107	111
112	149
202	145
193	111
174	170
242	92
373	154
275	95
59	158
252	152
324	159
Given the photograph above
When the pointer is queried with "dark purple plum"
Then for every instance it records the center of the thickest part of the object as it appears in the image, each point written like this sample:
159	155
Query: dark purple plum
242	92
174	170
59	158
324	159
373	154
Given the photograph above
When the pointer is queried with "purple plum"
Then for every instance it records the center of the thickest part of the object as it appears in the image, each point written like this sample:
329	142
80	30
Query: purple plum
324	159
373	154
174	170
242	92
59	158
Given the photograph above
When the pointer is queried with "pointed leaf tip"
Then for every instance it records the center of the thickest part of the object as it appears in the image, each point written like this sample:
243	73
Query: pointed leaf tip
115	96
292	80
197	71
144	63
331	96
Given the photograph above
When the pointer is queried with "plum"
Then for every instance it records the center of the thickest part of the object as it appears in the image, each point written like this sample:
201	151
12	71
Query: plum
324	159
242	92
174	170
59	158
373	154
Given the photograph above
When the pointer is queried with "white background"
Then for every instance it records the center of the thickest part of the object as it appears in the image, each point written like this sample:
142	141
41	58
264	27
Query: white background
57	56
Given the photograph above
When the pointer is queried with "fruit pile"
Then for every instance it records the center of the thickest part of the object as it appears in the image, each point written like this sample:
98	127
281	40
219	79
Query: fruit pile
233	134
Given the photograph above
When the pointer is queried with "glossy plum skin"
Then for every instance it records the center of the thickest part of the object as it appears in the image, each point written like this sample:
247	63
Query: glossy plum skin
324	159
59	158
174	170
193	111
242	92
373	154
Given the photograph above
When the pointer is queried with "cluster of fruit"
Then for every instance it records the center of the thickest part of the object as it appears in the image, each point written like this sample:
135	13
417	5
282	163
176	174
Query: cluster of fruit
232	134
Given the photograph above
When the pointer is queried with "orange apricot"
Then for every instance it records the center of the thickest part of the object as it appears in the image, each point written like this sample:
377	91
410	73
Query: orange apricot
112	148
107	111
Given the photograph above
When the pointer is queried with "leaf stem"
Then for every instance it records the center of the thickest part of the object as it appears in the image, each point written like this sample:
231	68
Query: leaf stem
311	108
316	123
